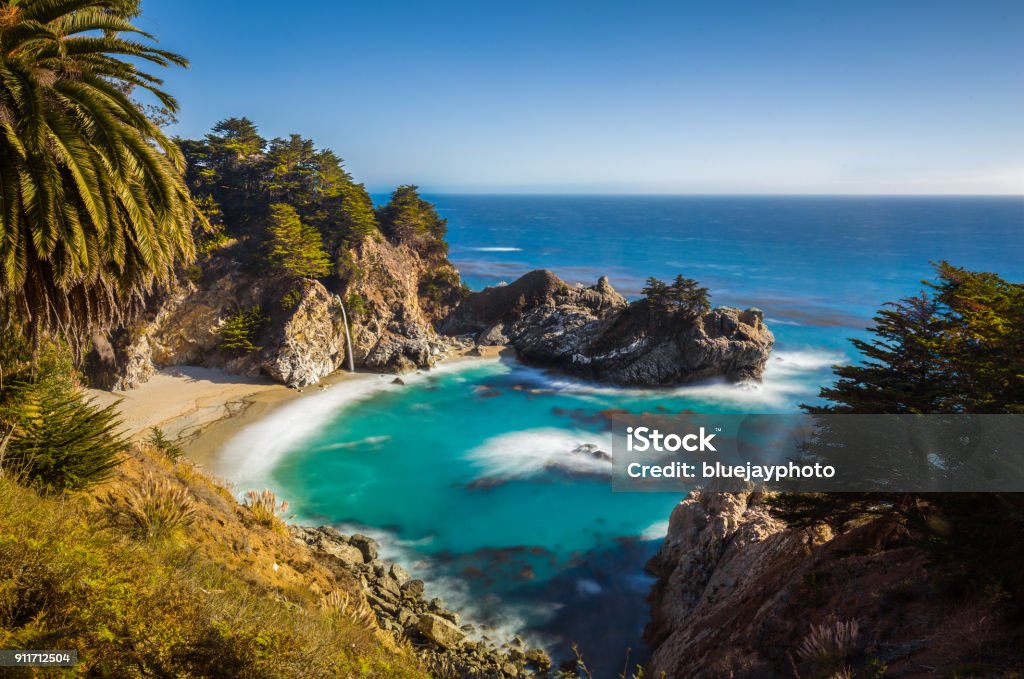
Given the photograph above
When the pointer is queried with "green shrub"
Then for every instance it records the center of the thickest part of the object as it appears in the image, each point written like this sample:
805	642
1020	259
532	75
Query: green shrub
355	306
239	331
290	300
51	435
159	442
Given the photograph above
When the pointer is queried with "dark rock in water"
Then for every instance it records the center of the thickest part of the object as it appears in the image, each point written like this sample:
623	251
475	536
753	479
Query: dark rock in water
539	659
593	451
398	380
399	574
593	332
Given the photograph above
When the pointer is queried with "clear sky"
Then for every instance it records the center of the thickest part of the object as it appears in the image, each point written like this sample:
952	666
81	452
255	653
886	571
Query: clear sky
896	96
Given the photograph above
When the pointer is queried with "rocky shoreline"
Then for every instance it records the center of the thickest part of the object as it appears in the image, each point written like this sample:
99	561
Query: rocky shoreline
448	646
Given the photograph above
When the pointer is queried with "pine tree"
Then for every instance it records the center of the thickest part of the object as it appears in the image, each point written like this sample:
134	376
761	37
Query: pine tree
407	218
295	248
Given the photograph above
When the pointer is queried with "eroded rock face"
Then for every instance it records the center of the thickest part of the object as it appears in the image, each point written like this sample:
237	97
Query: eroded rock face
594	333
739	593
311	342
719	547
392	319
393	293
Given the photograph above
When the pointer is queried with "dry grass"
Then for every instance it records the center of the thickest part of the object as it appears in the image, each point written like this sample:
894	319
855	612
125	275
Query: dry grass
222	599
265	508
156	508
830	644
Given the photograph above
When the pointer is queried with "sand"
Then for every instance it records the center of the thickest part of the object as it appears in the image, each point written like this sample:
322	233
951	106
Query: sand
202	408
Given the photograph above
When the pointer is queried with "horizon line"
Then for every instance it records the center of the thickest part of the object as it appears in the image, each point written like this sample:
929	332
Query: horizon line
660	194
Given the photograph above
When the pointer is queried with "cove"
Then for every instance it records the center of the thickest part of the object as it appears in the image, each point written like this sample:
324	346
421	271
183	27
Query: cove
486	478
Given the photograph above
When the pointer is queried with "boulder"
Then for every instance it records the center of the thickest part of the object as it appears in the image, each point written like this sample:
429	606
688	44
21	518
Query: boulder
413	589
440	631
366	545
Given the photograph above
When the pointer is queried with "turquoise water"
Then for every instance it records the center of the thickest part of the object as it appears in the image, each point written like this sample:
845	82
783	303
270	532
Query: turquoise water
467	473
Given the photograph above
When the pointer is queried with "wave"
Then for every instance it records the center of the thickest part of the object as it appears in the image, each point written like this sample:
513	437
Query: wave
788	375
249	457
522	454
496	249
370	441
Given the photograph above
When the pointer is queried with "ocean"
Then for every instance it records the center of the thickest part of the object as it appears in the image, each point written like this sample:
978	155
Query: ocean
465	474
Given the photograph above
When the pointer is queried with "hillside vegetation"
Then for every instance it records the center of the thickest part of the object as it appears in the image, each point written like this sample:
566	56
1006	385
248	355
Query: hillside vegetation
160	572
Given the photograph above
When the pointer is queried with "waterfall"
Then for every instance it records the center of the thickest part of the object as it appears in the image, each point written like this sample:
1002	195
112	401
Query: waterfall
348	337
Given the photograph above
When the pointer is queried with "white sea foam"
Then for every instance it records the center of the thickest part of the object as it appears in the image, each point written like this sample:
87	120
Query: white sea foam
248	458
785	379
656	531
498	623
521	454
374	442
496	249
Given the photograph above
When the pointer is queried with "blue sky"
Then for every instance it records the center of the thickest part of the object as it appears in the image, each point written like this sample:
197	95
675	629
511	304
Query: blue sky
651	97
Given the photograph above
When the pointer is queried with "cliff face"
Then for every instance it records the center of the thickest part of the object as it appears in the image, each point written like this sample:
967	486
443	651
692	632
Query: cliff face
595	333
298	338
395	296
741	595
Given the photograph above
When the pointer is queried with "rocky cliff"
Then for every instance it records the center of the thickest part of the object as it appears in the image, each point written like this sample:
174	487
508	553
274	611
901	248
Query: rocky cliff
297	336
593	332
395	295
741	595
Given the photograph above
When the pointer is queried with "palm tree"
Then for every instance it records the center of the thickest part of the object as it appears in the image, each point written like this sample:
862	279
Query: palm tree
94	210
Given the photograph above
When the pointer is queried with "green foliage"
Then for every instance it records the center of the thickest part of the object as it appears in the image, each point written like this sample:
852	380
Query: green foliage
68	580
245	175
684	295
409	219
210	233
51	435
355	306
240	330
95	210
295	248
954	349
290	300
159	442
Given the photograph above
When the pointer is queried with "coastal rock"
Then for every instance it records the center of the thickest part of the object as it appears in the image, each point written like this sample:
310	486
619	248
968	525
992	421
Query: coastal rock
312	339
738	592
366	545
593	332
439	630
393	304
392	293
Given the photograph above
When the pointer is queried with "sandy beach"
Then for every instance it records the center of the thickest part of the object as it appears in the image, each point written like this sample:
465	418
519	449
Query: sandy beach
203	408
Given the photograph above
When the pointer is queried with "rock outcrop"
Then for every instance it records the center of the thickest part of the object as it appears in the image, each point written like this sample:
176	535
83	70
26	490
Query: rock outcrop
394	298
437	634
593	332
740	594
393	295
298	338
